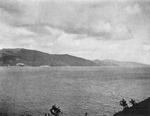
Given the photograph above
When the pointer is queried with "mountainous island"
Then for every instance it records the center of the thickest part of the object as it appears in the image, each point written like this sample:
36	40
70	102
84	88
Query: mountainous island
11	57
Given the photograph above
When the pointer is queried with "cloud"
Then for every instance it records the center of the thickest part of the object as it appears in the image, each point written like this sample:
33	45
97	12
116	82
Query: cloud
81	19
25	37
71	17
11	36
135	9
121	32
12	7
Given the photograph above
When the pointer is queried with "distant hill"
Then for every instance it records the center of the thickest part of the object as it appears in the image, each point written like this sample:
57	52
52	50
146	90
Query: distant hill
104	63
119	63
36	58
139	109
21	57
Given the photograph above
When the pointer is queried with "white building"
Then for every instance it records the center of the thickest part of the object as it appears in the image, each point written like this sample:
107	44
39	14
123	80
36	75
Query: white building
20	64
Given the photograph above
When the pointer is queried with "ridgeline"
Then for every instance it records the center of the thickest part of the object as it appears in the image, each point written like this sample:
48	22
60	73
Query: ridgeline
36	58
20	56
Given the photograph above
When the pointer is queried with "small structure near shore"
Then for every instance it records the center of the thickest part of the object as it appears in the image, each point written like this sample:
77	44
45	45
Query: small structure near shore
20	64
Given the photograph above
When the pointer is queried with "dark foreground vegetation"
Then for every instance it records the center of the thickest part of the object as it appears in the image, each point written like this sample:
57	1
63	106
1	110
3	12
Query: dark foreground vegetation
137	109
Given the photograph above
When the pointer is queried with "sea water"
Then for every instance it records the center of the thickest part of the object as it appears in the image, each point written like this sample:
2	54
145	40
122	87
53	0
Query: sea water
77	90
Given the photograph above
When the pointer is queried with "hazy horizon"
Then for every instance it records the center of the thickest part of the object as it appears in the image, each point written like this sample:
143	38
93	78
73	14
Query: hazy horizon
92	29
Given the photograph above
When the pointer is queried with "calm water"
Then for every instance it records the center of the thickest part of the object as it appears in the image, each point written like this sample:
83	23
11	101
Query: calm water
96	90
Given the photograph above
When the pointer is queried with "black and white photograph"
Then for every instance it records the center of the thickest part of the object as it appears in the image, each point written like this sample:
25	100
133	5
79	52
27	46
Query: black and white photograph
74	57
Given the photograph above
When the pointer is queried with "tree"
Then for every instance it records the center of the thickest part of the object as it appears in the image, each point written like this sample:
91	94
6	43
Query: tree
123	103
132	101
55	111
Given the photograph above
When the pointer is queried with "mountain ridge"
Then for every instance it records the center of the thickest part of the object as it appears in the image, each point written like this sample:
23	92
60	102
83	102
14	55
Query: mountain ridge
120	63
29	57
38	58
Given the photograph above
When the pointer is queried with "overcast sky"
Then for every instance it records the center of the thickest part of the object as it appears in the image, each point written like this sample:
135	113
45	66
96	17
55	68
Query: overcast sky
92	29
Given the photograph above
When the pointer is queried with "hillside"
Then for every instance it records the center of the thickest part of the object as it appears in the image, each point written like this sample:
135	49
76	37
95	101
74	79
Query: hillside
28	57
139	109
119	63
37	58
104	63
